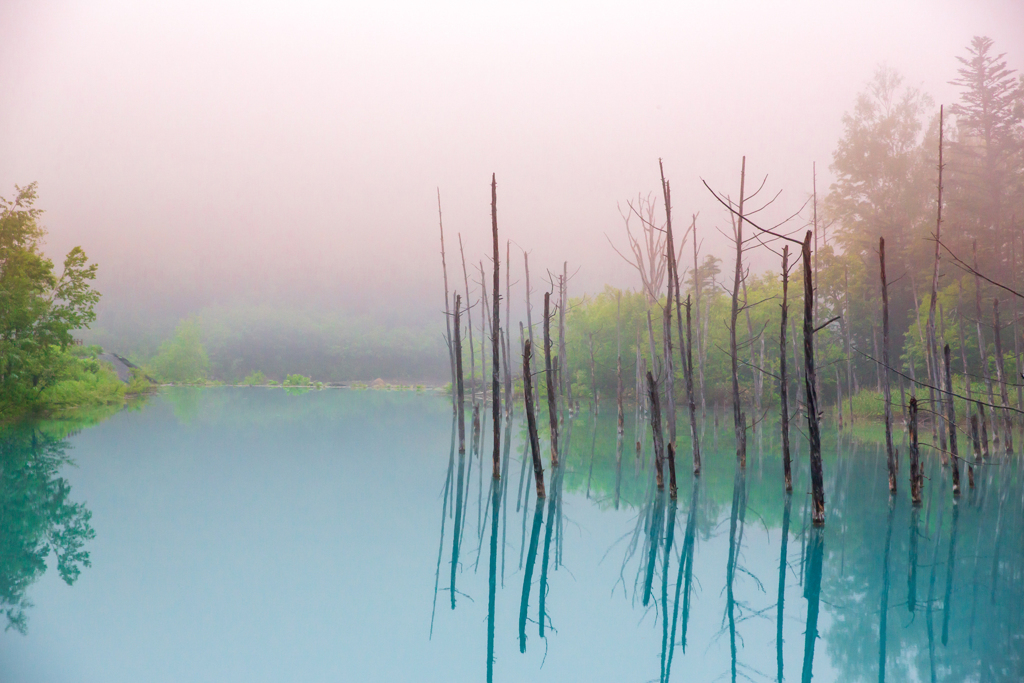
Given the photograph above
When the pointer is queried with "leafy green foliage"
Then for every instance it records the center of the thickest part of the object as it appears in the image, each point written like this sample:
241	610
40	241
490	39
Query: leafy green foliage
254	379
39	309
182	359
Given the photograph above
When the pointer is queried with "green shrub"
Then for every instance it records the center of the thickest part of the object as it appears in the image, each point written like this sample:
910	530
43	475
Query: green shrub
138	382
182	360
297	381
255	379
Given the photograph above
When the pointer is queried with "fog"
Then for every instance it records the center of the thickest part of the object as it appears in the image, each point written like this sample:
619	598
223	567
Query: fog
232	153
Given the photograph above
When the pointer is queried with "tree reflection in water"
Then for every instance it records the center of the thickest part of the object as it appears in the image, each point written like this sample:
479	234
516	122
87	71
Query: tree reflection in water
37	518
838	611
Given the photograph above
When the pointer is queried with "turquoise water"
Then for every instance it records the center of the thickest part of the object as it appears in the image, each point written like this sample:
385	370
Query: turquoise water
255	535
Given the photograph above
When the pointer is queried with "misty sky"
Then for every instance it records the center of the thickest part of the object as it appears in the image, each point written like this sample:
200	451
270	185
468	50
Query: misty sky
212	152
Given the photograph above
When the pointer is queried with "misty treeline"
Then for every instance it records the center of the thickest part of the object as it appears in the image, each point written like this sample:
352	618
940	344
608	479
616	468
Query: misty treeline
899	270
230	343
886	170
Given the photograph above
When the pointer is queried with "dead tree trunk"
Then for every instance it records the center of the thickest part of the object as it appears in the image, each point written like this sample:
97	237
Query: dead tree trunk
495	344
1016	318
564	387
700	339
1001	377
890	456
508	336
984	431
933	349
755	367
982	347
469	326
593	375
814	195
531	421
460	409
550	380
813	427
916	475
741	452
963	353
447	308
620	425
951	422
659	444
485	322
849	350
783	379
673	280
688	371
976	443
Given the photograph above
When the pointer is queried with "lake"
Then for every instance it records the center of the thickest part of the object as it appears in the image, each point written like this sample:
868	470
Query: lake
257	534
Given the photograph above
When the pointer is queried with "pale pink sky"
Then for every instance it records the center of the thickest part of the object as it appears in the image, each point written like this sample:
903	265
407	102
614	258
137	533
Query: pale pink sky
205	150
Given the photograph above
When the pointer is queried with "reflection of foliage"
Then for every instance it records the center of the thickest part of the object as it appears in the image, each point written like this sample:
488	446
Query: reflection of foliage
37	518
185	402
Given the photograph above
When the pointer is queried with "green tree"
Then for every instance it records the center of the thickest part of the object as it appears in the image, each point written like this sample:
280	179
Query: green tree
885	187
987	157
183	358
39	309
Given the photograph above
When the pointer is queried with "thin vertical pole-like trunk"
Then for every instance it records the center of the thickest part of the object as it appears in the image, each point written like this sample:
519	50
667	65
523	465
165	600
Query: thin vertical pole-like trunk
963	350
495	344
1001	377
659	444
933	348
620	424
1015	318
813	427
878	370
755	368
688	365
460	409
700	338
741	452
783	379
951	421
890	456
814	201
469	326
982	347
531	421
485	322
508	336
847	325
796	370
673	281
839	397
564	388
593	376
529	318
976	443
916	475
550	380
638	397
447	308
984	431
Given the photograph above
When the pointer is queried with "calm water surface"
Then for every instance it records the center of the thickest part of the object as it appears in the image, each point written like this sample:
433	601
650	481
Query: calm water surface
257	535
